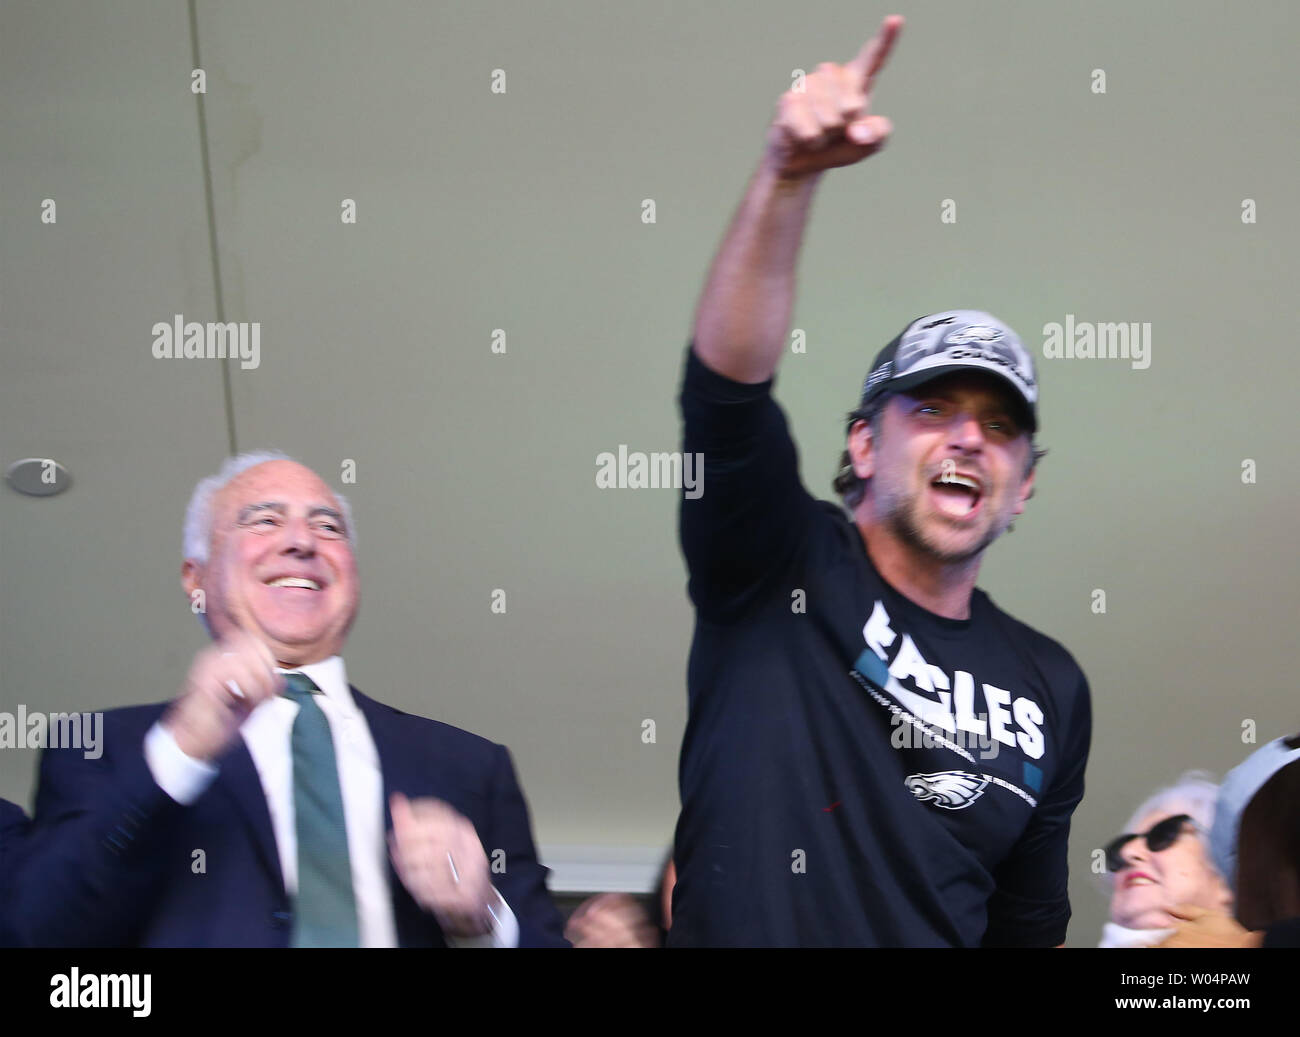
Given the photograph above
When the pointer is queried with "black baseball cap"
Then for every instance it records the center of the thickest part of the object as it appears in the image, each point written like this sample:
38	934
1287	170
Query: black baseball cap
954	340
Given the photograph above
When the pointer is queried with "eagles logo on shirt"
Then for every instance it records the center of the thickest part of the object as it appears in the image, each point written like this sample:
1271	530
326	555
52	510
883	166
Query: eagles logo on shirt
952	790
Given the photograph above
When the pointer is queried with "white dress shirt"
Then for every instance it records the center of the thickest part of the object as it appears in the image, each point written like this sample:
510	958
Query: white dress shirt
266	732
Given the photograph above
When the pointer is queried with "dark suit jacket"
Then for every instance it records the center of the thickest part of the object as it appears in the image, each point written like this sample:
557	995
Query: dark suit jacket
13	826
112	859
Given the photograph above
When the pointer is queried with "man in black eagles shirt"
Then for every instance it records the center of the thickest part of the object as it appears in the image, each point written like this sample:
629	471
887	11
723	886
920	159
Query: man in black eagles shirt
876	754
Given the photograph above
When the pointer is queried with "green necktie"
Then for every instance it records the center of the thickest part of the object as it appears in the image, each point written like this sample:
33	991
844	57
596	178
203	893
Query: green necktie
325	911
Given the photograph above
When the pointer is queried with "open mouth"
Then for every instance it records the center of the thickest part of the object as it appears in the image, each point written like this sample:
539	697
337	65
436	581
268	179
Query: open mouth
297	582
1138	879
957	496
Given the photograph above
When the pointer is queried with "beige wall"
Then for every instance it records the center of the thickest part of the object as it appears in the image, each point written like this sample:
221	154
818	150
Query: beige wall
522	211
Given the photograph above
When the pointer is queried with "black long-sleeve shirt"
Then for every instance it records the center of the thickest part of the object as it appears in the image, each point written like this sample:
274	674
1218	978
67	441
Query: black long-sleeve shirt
856	770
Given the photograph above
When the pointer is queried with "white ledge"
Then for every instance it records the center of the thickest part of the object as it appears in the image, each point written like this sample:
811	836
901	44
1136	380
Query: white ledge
603	869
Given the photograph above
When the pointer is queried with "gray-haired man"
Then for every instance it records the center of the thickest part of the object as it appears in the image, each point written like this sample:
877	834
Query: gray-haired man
271	803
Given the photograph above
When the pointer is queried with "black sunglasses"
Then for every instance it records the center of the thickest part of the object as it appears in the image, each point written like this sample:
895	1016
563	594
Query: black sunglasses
1161	836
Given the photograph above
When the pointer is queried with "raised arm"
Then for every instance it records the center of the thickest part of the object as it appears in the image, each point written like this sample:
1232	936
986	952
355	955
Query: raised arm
744	313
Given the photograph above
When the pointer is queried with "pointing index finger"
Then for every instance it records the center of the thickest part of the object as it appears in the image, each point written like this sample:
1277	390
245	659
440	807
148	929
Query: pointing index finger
875	52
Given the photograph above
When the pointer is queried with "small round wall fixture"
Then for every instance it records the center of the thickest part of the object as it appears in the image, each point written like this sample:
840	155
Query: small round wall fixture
38	477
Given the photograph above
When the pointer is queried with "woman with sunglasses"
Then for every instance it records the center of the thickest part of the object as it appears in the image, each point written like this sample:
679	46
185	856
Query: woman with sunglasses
1256	845
1162	861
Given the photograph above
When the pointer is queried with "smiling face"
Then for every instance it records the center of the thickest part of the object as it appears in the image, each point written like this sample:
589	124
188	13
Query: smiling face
1150	883
947	474
280	565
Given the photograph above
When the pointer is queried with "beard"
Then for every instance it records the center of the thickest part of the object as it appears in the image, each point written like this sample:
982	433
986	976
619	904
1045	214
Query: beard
901	512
